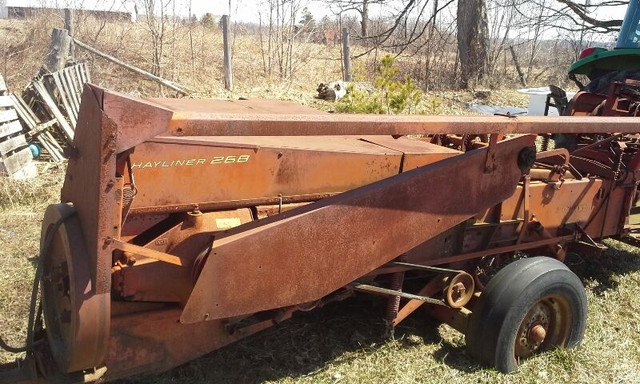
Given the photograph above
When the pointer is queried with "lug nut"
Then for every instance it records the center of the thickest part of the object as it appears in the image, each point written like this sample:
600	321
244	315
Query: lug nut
537	333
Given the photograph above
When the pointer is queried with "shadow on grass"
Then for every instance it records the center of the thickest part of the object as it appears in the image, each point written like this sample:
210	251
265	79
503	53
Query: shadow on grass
308	344
456	357
427	328
599	272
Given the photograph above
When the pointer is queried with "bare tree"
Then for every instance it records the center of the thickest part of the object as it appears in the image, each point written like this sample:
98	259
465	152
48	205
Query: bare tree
278	50
157	28
407	26
472	40
570	15
503	16
359	6
582	10
193	54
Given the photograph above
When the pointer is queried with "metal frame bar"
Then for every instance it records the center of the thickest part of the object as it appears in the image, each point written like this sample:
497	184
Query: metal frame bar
264	124
391	292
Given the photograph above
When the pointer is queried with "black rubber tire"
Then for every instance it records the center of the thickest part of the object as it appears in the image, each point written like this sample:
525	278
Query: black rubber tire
601	84
495	322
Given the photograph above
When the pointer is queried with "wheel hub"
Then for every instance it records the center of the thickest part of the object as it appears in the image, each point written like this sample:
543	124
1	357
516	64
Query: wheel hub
533	330
537	333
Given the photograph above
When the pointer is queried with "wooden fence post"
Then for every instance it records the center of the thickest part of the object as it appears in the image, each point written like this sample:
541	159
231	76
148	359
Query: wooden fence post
59	50
68	25
346	54
228	70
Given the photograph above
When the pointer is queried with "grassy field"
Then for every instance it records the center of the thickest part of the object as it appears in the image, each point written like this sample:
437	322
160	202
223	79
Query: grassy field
343	342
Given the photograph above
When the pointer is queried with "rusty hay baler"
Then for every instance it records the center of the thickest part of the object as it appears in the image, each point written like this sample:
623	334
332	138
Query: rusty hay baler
185	225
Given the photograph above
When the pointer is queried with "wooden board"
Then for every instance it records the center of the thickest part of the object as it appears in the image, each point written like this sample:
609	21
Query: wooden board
12	144
15	162
64	96
6	102
38	130
71	89
50	147
62	121
28	171
10	128
84	71
8	115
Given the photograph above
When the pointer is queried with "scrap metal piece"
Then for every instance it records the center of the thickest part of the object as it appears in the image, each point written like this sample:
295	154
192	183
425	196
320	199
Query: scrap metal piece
208	123
146	252
139	120
90	185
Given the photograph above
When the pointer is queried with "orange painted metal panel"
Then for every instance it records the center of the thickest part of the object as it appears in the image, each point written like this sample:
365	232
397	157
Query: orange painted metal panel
344	237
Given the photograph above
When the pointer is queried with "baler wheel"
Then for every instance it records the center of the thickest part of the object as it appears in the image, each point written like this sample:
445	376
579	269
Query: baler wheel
77	319
531	305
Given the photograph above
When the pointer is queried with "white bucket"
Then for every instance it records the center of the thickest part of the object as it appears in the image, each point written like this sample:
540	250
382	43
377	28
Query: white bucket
538	99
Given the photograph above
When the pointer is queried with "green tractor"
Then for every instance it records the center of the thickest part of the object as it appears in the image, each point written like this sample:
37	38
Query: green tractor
614	83
602	66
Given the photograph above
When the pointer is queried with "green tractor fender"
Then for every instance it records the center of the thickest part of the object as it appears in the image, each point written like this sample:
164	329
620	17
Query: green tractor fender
596	62
602	61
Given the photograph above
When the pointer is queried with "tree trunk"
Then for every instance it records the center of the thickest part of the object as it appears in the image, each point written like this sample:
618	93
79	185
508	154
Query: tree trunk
472	40
365	18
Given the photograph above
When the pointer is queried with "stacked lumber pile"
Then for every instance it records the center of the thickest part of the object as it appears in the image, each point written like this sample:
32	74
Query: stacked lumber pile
15	155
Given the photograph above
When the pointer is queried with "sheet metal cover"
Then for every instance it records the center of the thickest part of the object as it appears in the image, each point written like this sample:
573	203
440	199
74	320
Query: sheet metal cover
307	253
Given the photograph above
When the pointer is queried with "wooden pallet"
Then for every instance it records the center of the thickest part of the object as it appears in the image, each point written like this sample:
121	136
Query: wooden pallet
15	155
69	83
51	103
37	130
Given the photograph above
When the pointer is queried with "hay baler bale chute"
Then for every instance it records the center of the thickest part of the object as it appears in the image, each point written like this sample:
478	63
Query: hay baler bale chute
185	225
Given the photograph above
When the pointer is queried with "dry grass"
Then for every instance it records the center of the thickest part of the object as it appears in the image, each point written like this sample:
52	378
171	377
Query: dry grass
33	194
22	204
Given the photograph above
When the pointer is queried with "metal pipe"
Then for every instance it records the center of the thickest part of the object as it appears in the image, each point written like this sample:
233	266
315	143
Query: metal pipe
224	205
424	267
391	292
495	251
203	123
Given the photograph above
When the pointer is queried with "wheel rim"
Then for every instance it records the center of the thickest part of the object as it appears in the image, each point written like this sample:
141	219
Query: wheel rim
546	325
77	319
